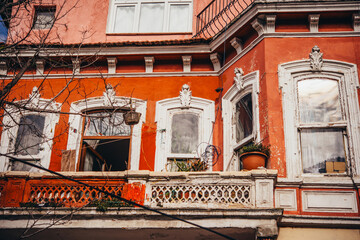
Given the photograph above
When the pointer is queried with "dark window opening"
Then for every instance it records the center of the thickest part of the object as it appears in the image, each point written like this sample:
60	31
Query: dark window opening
44	17
244	117
106	142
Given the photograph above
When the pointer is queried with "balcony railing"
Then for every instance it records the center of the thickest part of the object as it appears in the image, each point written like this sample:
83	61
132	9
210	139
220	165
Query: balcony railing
217	15
251	189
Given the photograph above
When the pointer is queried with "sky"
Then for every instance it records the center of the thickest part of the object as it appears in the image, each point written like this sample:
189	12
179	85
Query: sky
3	31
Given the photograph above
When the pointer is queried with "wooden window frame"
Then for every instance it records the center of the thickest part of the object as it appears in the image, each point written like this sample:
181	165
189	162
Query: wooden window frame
81	161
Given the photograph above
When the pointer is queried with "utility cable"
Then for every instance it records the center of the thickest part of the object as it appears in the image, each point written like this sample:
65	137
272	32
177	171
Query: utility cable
123	199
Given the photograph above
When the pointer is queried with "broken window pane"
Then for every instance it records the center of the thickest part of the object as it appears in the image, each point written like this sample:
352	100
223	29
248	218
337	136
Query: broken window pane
106	124
30	135
185	133
319	101
322	150
244	117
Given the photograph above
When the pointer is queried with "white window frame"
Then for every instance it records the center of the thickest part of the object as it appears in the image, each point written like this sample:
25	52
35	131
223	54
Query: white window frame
347	77
12	117
89	104
229	101
164	109
137	4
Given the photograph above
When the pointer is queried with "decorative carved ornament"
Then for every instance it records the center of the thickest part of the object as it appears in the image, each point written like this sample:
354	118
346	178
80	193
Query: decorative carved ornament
239	78
185	96
34	98
316	60
109	95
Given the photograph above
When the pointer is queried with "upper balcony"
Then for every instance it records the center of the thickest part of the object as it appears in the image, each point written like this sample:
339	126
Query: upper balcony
218	15
237	204
244	189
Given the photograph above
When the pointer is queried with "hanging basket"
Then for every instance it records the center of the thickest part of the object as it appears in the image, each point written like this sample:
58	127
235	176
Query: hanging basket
132	118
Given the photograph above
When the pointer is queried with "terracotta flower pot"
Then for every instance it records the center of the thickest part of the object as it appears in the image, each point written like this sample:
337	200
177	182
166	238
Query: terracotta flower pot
253	160
132	118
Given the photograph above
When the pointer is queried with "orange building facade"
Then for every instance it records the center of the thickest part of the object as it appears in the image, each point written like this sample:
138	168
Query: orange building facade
207	78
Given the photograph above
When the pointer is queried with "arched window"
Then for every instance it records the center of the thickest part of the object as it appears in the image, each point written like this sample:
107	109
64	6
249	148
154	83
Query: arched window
183	132
99	138
240	117
105	141
28	134
321	117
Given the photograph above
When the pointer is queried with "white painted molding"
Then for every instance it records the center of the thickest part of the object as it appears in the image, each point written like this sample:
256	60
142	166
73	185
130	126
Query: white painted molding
112	61
231	97
237	44
239	78
314	22
203	107
186	63
329	201
3	68
316	59
185	96
258	26
215	59
40	66
356	22
270	23
347	76
264	189
149	64
76	65
34	98
11	119
109	95
75	124
286	199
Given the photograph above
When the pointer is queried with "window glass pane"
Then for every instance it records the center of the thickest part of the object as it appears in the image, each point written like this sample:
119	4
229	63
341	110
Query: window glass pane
179	17
106	124
319	101
29	135
244	117
151	17
185	133
124	19
322	150
19	166
44	18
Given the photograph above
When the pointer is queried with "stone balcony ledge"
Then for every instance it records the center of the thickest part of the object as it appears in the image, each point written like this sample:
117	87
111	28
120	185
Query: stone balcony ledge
146	175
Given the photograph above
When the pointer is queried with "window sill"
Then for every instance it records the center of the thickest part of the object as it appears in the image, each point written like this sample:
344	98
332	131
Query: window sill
313	181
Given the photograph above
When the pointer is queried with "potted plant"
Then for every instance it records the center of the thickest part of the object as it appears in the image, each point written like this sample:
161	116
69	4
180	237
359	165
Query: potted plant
254	155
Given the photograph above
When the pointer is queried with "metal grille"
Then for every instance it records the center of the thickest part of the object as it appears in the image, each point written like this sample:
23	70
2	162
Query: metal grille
69	195
221	194
217	15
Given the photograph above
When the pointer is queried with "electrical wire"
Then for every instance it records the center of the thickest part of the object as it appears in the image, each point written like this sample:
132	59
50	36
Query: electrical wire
123	199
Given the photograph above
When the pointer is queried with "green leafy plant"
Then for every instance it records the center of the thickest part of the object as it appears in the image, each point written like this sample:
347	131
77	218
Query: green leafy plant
191	165
256	147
